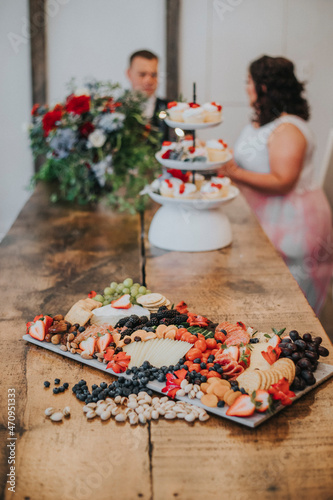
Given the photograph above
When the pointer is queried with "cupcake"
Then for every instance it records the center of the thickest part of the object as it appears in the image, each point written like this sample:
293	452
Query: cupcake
216	150
212	112
225	181
213	190
185	191
194	114
199	181
168	186
176	110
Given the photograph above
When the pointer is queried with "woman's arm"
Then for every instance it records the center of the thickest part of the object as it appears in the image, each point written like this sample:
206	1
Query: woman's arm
286	147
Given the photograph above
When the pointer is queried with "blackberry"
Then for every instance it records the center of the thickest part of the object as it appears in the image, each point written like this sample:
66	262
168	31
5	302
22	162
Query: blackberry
121	322
171	313
152	322
130	324
143	319
179	319
162	308
139	327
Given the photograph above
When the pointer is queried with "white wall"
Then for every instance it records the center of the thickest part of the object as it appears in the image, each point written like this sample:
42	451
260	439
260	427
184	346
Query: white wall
15	105
93	38
220	37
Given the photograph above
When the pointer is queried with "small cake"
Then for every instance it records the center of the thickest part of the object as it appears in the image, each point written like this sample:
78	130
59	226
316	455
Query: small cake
194	114
213	190
225	181
212	112
166	145
185	191
198	180
176	110
168	186
216	150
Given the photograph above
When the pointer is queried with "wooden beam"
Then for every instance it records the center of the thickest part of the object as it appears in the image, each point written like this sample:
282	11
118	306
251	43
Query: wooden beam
172	48
38	54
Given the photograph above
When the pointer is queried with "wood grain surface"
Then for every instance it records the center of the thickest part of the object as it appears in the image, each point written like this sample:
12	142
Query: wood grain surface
54	255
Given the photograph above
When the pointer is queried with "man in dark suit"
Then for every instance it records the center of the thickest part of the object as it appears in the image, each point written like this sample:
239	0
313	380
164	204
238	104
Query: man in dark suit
143	75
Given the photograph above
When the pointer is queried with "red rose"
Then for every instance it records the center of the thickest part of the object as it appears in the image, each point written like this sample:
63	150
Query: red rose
49	121
86	129
34	109
78	104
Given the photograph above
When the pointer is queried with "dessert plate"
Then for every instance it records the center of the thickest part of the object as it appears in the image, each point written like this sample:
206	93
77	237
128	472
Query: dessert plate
191	126
323	373
193	165
195	203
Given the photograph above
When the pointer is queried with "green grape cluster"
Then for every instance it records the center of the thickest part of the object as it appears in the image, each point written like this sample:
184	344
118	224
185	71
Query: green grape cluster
117	290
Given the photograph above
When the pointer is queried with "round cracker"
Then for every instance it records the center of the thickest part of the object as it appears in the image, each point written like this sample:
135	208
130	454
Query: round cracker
251	380
264	380
151	298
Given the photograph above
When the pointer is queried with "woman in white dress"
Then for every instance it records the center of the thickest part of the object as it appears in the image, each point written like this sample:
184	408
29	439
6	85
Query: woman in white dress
273	167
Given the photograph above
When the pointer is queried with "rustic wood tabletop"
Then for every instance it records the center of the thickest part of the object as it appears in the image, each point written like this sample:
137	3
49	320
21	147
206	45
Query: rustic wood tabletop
53	256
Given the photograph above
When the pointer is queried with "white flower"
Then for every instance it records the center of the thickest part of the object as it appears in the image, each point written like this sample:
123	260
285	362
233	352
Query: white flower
82	91
111	121
96	139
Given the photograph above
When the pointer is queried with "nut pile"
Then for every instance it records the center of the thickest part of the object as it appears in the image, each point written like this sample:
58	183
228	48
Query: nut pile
142	407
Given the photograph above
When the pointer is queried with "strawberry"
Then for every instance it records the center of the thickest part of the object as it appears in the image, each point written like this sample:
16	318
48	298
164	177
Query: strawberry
47	320
103	341
272	354
194	105
166	155
28	325
109	354
37	330
274	341
92	294
171	104
242	407
88	345
166	143
122	303
264	398
244	356
182	188
232	351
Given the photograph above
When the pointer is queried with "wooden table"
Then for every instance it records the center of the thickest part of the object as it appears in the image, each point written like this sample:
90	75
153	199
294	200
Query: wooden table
54	255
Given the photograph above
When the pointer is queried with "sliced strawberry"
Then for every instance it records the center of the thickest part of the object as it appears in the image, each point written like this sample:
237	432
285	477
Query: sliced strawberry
264	398
103	342
232	351
166	143
88	345
274	341
244	356
37	330
47	322
272	354
171	104
122	303
28	325
242	407
109	354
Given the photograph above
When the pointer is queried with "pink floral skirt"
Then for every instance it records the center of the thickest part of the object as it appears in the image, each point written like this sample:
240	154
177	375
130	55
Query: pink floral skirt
300	227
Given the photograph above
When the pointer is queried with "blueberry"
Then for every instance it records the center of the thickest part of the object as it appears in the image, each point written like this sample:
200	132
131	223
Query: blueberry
61	389
220	404
203	378
82	382
55	390
220	370
216	366
94	386
254	341
203	366
128	371
46	383
57	381
211	358
161	378
242	390
103	385
197	360
184	367
81	329
66	384
121	380
211	369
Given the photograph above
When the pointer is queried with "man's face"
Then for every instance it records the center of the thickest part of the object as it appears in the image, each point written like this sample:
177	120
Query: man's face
143	75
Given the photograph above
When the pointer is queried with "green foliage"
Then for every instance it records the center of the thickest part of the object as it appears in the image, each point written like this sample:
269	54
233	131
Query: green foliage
72	168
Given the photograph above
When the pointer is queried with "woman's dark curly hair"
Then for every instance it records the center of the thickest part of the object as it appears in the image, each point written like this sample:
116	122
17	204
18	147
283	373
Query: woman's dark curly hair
278	89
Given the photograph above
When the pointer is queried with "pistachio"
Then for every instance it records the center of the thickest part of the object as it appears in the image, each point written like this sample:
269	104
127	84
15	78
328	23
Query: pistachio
66	411
180	393
99	410
49	411
90	414
170	415
106	414
190	417
57	416
142	419
121	417
117	399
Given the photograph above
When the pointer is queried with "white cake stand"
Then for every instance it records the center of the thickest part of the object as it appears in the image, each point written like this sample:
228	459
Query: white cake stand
191	225
193	165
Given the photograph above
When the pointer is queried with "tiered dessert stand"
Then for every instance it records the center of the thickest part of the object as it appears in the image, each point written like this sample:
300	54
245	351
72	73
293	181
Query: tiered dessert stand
191	225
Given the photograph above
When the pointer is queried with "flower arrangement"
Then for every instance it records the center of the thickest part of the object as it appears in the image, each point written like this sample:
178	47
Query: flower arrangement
96	145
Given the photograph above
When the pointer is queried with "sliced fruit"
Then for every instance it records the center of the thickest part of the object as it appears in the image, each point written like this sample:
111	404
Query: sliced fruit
88	345
264	398
103	342
242	407
122	303
37	330
244	356
272	354
274	341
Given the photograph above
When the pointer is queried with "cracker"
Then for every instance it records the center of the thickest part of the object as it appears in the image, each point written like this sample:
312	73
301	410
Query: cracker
150	299
250	380
264	380
78	314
